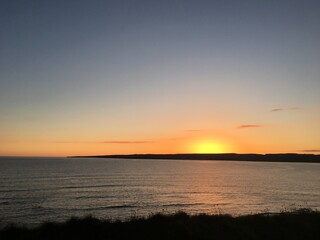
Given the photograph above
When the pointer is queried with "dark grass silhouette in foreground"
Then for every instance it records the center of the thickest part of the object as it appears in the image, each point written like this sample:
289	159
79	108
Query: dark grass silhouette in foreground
301	224
283	157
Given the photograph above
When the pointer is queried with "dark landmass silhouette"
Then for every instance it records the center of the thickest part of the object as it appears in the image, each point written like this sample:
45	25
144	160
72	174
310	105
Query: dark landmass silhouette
285	157
302	224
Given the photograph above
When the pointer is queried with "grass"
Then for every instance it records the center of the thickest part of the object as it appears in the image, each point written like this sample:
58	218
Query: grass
300	224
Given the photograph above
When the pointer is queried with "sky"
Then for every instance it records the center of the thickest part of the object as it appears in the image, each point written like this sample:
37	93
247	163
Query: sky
118	77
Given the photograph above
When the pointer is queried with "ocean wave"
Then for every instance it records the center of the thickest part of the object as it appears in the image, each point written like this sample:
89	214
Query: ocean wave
106	207
61	188
92	186
95	197
182	204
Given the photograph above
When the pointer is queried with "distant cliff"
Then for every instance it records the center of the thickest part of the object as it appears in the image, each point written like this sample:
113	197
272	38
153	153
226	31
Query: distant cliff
286	157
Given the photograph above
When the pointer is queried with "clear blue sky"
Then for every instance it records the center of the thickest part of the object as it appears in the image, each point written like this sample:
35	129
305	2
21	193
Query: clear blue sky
76	74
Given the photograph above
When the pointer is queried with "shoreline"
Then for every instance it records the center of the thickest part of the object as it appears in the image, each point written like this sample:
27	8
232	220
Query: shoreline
285	157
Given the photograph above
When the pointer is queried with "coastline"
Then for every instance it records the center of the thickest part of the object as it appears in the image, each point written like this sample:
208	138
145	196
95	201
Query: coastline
283	157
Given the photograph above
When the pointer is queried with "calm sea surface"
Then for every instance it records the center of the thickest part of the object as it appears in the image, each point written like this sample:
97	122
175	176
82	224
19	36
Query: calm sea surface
33	190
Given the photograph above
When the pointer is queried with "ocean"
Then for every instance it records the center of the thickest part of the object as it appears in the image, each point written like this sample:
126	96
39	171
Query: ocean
35	190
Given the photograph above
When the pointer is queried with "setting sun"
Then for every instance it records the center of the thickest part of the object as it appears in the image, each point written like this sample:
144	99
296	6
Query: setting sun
208	146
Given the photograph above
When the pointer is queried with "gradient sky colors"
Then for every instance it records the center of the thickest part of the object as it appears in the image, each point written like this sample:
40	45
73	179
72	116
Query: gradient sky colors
103	77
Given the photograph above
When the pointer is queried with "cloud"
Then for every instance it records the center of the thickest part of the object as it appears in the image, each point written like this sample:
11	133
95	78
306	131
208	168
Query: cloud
285	109
311	151
127	142
108	142
192	130
250	126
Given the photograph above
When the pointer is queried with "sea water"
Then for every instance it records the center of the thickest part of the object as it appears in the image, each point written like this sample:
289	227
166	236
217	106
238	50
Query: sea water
34	190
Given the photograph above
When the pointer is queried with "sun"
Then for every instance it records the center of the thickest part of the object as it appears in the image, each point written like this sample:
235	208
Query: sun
208	146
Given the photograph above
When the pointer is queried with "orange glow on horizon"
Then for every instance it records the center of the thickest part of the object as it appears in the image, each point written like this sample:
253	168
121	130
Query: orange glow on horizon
207	142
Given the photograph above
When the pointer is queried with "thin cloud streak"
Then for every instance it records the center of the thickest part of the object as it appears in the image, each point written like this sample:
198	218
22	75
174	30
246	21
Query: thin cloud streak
192	130
285	109
311	151
128	142
106	142
250	126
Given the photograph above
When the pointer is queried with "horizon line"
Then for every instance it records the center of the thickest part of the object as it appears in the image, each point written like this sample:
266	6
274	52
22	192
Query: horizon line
132	154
